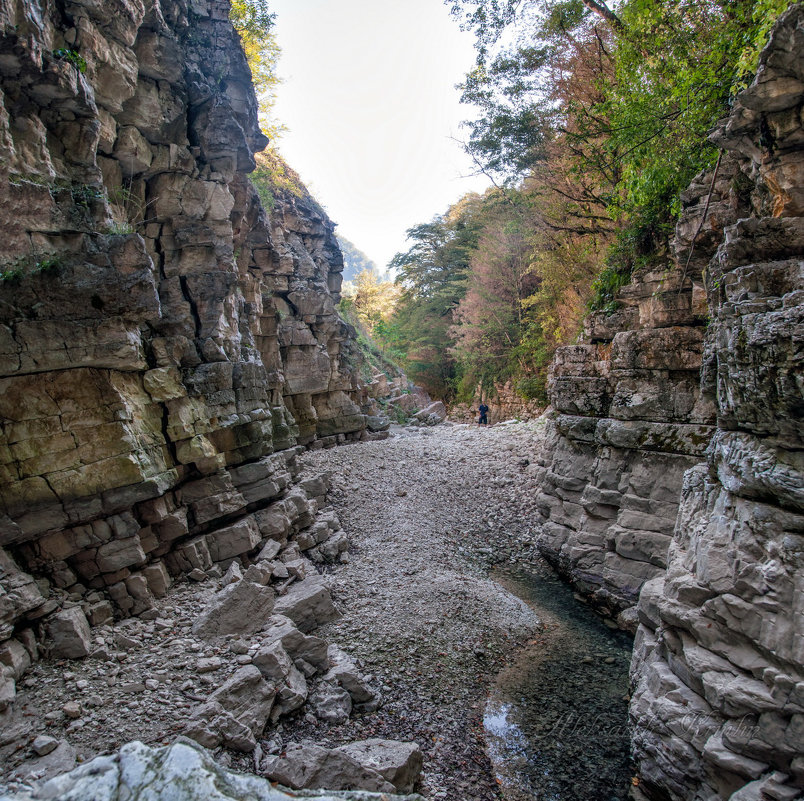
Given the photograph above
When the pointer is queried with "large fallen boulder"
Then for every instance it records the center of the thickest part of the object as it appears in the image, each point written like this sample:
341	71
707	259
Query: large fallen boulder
433	414
314	767
397	762
330	703
68	634
240	608
236	713
182	771
298	645
308	604
275	665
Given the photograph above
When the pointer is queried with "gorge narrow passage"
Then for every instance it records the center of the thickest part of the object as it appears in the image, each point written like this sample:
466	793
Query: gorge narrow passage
428	512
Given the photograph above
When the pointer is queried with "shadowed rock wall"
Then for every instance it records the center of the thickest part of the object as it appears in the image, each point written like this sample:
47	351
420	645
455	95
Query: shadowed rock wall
629	417
718	667
165	344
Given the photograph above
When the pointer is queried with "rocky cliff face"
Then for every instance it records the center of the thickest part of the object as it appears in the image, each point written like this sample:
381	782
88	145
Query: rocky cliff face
676	464
165	344
629	418
718	705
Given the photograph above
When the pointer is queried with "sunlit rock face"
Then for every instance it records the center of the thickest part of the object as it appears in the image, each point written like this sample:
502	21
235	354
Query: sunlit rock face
718	668
165	343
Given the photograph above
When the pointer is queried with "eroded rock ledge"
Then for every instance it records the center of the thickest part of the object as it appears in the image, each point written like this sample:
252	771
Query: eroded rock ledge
628	420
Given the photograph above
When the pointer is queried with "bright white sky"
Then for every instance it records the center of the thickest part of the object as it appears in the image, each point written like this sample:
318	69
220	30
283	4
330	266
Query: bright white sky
370	102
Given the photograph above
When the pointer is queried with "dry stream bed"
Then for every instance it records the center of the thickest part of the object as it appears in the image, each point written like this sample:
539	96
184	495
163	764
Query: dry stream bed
510	686
477	658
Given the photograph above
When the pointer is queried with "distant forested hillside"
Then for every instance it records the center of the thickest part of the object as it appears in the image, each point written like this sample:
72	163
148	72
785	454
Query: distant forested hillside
354	260
593	119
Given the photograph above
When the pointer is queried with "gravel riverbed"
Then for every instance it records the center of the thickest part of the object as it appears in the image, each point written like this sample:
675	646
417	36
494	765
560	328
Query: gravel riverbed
427	512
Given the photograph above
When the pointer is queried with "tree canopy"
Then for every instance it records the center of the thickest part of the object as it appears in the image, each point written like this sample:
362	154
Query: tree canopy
593	118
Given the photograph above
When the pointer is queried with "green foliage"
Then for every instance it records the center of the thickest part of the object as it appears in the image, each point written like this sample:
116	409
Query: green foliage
533	388
71	56
273	177
432	276
598	114
29	266
253	20
372	357
612	108
677	66
372	299
85	195
120	228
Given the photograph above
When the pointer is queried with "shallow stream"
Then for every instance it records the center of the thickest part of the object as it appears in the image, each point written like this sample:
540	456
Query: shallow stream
556	719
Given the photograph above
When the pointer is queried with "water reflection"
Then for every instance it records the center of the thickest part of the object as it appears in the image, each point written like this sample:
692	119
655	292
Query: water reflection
556	720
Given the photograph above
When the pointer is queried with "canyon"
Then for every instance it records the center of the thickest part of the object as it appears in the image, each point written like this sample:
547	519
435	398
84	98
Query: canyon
172	360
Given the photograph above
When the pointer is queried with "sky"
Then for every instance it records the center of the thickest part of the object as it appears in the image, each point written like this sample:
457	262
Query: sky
369	100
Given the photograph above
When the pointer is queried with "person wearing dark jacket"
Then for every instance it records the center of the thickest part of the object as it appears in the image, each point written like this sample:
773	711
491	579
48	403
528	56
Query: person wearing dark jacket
484	410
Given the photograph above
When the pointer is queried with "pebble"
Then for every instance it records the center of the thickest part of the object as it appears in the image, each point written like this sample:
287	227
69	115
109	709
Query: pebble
72	709
43	744
208	665
425	598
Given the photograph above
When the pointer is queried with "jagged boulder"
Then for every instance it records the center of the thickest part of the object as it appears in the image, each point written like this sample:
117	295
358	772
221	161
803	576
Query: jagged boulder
398	762
330	703
314	767
181	770
68	632
239	608
344	673
433	414
236	713
298	645
307	603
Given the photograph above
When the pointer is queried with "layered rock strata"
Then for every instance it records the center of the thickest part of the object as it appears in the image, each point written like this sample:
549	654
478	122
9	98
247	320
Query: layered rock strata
166	345
629	418
718	668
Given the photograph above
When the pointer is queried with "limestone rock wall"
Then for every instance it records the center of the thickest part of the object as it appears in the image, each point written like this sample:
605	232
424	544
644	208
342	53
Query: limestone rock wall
165	343
629	418
718	667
